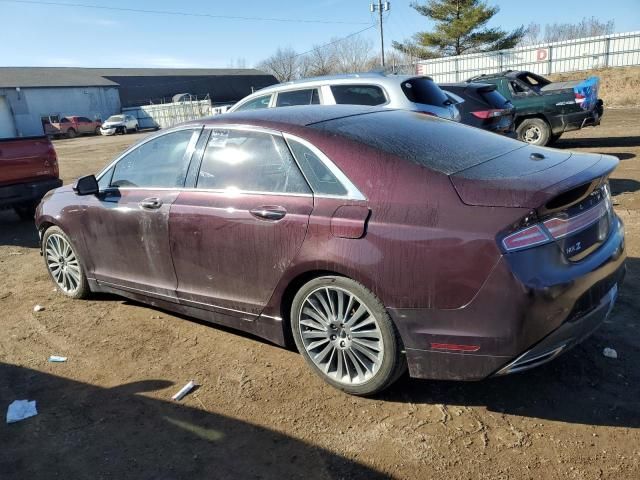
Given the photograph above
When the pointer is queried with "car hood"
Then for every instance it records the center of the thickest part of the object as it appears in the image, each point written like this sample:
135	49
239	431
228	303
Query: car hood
528	177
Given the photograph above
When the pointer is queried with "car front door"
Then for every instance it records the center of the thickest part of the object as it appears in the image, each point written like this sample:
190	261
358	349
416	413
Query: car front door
127	227
237	231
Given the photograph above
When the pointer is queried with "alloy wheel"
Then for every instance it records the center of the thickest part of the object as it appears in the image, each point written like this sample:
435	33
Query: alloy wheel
63	264
341	335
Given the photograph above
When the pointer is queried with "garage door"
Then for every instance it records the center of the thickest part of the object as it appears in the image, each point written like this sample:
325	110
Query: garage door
7	127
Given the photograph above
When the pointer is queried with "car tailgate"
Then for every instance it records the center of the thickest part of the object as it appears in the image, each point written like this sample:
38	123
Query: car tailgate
27	159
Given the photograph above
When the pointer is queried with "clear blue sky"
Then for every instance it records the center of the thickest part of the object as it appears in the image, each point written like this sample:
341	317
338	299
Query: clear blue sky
48	35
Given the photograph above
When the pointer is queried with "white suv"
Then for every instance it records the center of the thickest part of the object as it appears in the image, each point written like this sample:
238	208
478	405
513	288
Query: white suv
119	124
417	93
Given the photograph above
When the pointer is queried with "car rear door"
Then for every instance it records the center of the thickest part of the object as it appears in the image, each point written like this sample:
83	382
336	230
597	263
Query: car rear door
237	231
127	224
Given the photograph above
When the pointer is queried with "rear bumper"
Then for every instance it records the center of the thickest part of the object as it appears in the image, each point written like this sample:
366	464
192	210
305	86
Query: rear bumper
522	316
26	193
578	120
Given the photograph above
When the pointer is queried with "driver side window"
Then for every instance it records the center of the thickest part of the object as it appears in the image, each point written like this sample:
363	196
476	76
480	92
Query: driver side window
161	162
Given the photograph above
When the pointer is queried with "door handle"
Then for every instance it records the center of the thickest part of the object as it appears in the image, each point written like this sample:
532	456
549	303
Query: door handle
268	212
151	203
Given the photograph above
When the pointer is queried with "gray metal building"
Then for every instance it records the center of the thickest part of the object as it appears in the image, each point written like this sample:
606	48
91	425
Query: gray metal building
30	94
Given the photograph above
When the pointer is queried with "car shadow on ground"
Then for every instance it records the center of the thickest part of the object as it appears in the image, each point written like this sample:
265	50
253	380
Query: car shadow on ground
623	185
582	386
17	232
598	142
85	431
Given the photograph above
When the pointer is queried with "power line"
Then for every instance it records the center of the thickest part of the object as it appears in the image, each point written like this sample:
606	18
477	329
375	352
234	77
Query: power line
184	14
334	41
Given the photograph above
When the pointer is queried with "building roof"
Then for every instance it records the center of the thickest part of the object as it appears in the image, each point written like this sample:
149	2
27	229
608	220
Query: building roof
11	77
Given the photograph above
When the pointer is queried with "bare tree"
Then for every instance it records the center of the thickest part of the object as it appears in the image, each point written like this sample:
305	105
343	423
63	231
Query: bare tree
353	54
283	64
321	61
558	32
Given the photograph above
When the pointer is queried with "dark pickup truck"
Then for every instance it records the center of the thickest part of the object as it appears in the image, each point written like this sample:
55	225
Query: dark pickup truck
28	170
545	109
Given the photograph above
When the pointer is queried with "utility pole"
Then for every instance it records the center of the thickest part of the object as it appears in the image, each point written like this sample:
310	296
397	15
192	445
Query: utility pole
380	7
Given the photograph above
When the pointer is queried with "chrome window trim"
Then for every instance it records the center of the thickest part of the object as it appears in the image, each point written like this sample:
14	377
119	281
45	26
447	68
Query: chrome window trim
353	193
146	140
209	190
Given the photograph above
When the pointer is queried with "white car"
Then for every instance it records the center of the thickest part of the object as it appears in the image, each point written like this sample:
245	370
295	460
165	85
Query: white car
415	93
119	124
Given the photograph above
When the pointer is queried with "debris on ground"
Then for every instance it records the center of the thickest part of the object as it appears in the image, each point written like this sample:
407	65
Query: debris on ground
57	359
183	391
610	353
20	410
38	308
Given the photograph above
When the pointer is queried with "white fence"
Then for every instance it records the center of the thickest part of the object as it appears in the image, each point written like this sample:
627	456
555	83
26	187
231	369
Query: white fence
165	115
618	50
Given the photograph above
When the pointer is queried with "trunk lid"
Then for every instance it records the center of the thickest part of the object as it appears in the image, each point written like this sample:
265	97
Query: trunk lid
529	177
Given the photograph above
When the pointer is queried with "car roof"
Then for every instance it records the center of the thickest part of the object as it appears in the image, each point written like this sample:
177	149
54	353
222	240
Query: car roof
297	116
466	85
346	79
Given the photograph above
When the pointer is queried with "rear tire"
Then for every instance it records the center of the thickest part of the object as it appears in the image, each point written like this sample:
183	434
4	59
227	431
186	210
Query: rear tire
71	133
534	131
65	267
346	336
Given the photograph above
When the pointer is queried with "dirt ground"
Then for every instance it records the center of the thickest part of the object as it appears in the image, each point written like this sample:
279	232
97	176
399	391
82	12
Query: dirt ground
261	413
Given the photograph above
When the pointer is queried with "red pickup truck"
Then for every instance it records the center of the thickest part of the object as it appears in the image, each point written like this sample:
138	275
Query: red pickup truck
28	170
72	126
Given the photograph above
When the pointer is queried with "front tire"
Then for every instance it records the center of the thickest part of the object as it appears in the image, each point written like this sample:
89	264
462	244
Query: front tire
346	335
63	264
534	131
71	133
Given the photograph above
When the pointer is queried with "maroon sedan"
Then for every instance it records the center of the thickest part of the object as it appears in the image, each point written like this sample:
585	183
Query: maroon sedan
377	239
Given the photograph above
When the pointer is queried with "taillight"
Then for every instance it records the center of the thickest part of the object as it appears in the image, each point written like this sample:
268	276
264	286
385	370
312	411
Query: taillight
557	227
579	98
52	159
525	238
495	112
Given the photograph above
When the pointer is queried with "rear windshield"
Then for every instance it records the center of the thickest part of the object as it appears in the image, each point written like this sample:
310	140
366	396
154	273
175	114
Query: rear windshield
441	145
423	90
494	98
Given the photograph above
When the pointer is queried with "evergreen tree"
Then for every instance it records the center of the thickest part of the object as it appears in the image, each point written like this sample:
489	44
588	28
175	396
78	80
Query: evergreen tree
460	28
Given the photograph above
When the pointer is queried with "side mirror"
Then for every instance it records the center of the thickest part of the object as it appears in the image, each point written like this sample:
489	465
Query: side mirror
86	185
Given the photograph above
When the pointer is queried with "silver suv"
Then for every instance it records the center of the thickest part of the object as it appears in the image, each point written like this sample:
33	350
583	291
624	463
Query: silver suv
419	94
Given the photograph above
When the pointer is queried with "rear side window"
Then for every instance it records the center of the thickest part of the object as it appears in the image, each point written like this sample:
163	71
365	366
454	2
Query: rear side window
423	90
358	95
298	97
256	103
494	98
249	161
318	174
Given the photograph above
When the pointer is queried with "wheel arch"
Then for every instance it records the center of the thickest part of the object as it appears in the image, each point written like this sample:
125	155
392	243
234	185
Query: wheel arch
522	118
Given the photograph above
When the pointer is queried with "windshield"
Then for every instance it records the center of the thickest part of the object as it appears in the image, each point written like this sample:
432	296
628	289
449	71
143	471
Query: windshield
115	118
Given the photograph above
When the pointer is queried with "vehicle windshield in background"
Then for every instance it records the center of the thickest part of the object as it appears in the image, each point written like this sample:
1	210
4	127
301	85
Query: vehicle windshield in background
115	118
423	90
